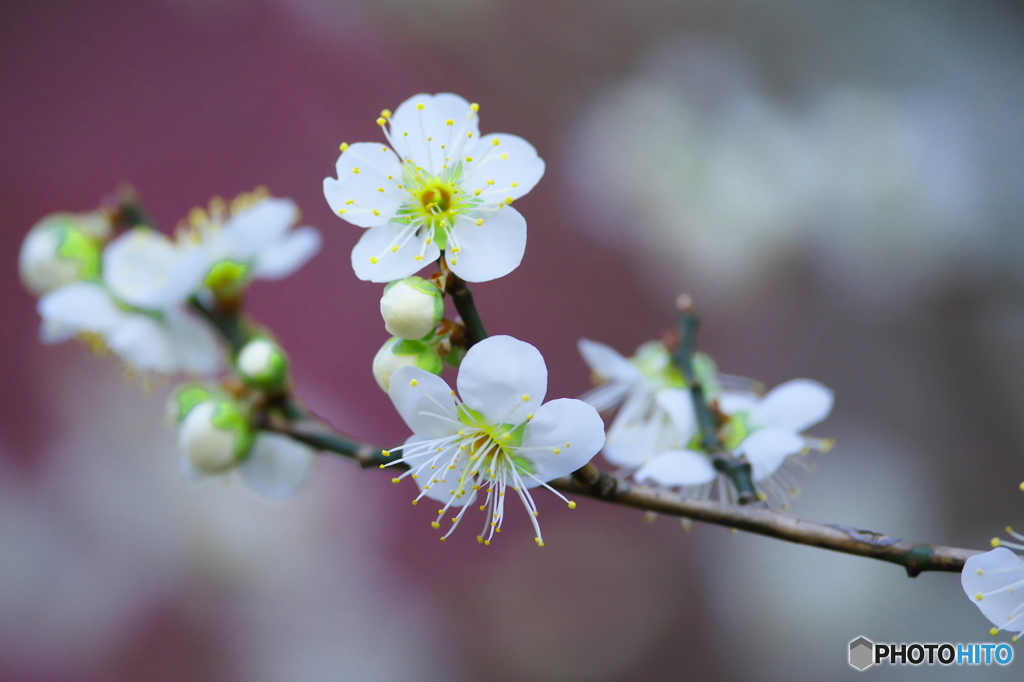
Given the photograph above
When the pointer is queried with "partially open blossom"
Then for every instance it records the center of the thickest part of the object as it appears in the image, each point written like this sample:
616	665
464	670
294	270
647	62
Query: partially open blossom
411	307
439	187
215	437
138	308
494	437
397	353
62	248
252	238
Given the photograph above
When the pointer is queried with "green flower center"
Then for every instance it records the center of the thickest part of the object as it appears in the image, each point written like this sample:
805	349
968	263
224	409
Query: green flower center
436	200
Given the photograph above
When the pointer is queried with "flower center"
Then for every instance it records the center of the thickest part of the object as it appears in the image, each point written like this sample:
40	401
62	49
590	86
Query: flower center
435	201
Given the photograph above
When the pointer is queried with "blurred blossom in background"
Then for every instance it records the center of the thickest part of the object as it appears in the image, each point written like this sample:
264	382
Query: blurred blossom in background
837	184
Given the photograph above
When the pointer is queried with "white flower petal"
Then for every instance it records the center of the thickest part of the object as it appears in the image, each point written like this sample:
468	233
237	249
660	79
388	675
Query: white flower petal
678	468
260	227
360	201
678	404
439	483
635	432
428	407
737	402
77	307
424	135
372	159
607	363
795	405
767	449
288	255
276	466
377	243
504	379
195	346
137	267
563	435
144	343
606	396
509	169
998	576
489	250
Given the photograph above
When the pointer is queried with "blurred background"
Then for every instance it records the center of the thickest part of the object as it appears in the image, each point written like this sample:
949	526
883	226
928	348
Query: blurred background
837	184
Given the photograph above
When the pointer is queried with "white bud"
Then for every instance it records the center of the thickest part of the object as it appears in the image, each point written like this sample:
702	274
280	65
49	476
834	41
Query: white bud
215	436
386	363
411	307
262	364
60	249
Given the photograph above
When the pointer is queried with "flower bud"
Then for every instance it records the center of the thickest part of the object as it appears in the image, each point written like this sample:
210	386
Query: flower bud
215	435
397	353
60	249
411	307
262	364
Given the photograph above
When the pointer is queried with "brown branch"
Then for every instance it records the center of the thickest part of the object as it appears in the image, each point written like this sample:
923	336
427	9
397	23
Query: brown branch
589	481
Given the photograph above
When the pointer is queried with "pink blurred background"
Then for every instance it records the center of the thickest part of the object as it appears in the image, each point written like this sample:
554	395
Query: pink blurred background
839	186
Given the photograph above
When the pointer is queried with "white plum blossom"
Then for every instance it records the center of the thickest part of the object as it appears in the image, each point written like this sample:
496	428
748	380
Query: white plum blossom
440	187
767	430
251	239
645	388
215	438
62	248
138	308
994	581
495	436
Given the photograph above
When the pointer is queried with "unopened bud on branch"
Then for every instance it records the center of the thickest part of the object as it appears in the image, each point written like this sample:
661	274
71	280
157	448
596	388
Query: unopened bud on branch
411	307
262	364
215	435
60	249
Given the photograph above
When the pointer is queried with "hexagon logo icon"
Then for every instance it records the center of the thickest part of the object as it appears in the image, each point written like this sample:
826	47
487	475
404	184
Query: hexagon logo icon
862	652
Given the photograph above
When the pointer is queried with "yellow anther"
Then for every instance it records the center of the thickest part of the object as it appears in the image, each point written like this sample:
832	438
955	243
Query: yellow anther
504	157
380	189
417	258
529	416
995	542
416	476
449	122
415	502
572	505
435	524
455	249
394	248
355	169
342	211
429	139
568	445
480	539
385	453
479	222
490	182
477	192
526	397
419	106
429	239
441	539
374	260
495	142
979	596
375	212
455	261
414	383
474	107
508	200
515	184
469	159
381	466
994	631
350	202
386	113
470	134
556	451
395	480
384	149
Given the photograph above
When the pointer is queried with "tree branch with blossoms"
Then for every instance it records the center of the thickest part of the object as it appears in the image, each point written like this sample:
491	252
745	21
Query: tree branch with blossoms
685	439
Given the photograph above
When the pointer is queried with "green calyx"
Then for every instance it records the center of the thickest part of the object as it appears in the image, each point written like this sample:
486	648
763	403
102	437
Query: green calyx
78	247
230	416
427	357
228	278
188	396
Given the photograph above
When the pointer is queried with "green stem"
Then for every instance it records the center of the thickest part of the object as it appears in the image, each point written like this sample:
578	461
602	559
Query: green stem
462	297
229	324
737	469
